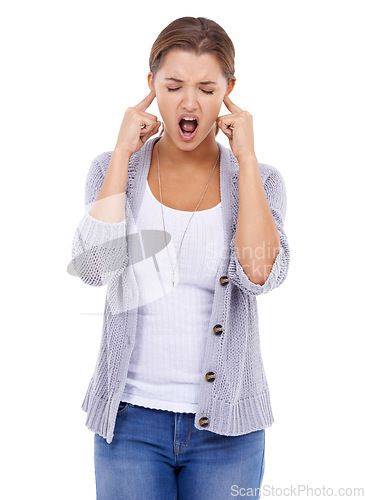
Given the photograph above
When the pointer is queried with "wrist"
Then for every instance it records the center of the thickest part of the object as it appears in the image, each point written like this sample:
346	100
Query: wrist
122	152
248	157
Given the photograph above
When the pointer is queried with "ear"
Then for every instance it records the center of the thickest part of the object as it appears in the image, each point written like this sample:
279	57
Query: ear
232	83
150	81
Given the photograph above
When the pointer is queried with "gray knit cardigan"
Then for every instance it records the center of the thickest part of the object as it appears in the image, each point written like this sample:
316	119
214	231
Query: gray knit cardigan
234	397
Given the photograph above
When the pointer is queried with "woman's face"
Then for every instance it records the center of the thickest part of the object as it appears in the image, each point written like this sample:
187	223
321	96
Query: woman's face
187	84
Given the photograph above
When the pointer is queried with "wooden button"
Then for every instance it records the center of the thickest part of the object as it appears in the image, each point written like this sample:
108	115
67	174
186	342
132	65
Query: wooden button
204	421
218	329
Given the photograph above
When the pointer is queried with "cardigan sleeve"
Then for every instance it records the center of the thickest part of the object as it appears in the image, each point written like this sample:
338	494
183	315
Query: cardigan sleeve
275	192
98	248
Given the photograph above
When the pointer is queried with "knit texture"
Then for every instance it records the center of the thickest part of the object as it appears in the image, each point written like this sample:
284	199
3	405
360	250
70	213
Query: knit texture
237	400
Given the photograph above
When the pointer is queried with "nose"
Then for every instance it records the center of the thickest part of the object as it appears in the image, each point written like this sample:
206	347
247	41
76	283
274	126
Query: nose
190	99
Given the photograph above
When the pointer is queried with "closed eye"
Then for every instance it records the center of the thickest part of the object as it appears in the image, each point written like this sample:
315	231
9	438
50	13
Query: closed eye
205	91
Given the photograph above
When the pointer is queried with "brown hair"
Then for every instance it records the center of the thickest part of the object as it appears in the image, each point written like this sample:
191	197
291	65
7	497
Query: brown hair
198	35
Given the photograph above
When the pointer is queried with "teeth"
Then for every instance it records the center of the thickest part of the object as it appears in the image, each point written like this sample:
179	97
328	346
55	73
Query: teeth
186	118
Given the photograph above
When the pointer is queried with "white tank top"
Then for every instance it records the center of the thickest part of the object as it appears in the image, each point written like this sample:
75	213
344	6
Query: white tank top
165	369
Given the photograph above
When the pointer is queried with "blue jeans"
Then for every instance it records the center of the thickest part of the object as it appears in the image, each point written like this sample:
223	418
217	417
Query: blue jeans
160	455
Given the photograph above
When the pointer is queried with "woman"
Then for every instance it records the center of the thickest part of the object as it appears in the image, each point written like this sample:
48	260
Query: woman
185	232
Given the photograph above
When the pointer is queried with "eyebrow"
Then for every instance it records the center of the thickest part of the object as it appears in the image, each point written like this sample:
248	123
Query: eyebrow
181	81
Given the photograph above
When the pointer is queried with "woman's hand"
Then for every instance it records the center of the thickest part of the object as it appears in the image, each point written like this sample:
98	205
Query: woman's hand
238	128
137	126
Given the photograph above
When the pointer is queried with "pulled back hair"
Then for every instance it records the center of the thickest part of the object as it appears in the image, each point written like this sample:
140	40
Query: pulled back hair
198	35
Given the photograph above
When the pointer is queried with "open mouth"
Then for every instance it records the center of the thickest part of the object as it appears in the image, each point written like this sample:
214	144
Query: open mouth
188	126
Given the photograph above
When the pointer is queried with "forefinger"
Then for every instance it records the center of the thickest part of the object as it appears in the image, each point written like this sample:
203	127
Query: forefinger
231	106
143	105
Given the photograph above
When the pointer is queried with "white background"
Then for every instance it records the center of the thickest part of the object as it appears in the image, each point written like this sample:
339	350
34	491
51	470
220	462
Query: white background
70	69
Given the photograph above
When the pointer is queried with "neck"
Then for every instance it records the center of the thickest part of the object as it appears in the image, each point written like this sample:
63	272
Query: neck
203	156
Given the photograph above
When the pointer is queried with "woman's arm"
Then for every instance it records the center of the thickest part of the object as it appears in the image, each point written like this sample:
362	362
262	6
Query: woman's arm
99	249
99	244
257	240
108	206
259	249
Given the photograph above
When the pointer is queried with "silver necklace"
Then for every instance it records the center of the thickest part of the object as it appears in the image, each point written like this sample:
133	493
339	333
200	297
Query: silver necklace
163	219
